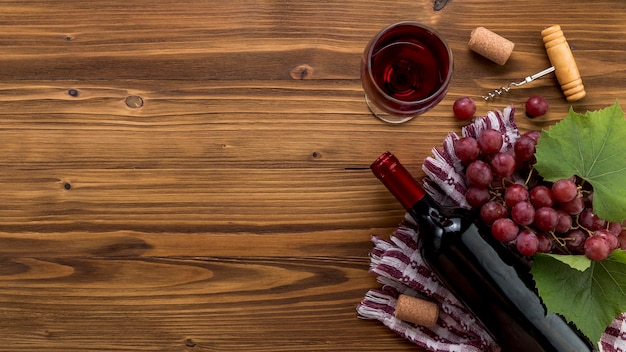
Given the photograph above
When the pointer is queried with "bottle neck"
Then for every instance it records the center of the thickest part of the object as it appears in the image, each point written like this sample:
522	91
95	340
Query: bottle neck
398	180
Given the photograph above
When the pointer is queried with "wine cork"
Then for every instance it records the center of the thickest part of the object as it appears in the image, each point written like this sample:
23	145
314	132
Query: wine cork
417	311
490	45
562	59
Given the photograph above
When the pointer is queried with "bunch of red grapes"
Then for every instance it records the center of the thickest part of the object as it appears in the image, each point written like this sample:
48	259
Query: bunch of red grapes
527	212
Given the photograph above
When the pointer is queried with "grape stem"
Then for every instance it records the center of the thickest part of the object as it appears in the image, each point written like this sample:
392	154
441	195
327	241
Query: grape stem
530	174
581	227
561	241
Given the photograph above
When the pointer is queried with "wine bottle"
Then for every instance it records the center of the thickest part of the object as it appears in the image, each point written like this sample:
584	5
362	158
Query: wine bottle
495	285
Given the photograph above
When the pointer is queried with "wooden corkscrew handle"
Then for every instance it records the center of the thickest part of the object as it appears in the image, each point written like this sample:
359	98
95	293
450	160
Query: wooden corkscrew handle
562	59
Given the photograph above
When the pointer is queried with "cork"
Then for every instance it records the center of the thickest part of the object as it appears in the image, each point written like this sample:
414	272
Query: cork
562	59
417	311
490	45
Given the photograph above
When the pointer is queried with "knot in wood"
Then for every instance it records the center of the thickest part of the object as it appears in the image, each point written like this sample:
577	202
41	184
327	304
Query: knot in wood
302	72
134	101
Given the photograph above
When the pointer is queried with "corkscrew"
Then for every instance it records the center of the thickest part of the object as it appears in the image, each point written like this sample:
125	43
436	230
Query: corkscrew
563	66
505	89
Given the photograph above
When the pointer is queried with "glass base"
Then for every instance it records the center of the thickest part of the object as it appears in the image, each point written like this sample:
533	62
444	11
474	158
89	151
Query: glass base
385	116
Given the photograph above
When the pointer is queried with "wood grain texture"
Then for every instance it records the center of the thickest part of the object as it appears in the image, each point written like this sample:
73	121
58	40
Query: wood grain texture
227	205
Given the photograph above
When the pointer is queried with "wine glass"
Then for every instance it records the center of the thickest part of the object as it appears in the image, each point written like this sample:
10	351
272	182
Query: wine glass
405	71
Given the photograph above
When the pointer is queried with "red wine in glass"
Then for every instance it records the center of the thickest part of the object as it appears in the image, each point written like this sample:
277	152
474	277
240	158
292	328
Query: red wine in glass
405	71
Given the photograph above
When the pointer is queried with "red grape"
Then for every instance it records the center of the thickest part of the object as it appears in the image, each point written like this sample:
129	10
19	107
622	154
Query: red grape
536	106
523	213
591	221
514	194
615	227
546	219
534	134
477	197
492	211
527	243
479	174
564	190
545	244
597	248
524	148
622	240
564	222
574	206
609	237
466	149
464	108
503	164
490	141
576	241
541	196
504	230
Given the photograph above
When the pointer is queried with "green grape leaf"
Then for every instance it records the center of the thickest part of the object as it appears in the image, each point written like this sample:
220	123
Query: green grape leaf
578	262
590	299
593	147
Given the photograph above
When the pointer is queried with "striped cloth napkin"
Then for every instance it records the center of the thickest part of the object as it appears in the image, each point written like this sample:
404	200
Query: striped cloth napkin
400	268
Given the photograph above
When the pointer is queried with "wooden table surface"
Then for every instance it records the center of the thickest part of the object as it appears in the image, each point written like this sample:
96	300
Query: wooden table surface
193	175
